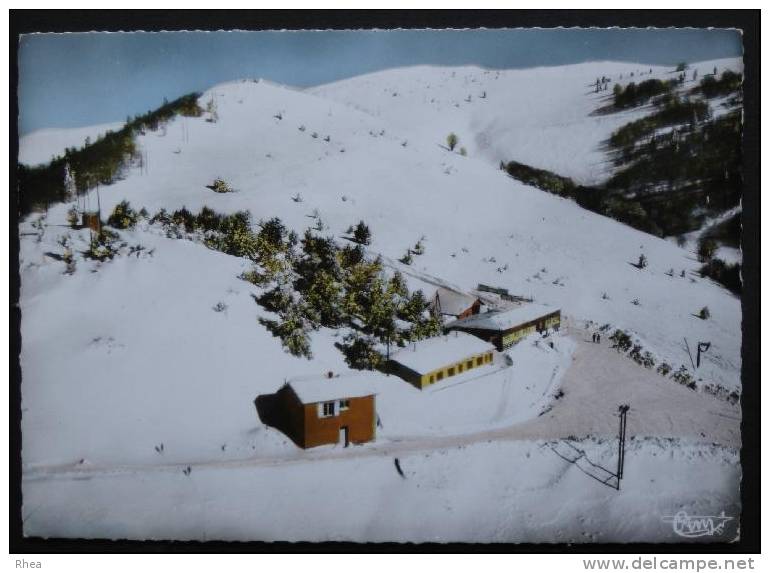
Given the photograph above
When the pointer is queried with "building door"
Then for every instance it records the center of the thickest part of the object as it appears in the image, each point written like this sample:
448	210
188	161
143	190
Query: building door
344	437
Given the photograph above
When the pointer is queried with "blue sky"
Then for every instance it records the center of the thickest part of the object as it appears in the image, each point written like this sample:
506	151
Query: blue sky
70	80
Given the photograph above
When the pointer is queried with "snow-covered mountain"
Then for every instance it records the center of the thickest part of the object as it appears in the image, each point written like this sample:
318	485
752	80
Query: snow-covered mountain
121	356
543	117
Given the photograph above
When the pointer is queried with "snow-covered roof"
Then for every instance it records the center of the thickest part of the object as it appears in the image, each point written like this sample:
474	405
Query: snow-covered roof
505	320
432	353
312	389
453	302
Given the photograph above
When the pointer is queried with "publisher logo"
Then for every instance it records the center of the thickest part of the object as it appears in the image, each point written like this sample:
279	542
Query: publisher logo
697	525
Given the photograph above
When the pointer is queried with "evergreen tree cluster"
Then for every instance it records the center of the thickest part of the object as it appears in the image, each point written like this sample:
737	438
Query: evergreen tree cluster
123	216
231	234
623	343
706	249
669	111
360	233
726	274
542	179
103	245
638	94
710	87
311	282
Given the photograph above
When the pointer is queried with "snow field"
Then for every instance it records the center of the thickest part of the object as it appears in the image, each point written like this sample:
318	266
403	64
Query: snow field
488	492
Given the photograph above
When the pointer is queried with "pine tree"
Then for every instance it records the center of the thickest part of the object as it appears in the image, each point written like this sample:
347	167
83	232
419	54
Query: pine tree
72	217
379	310
70	188
360	352
706	249
427	326
414	308
324	300
273	233
361	234
220	186
397	286
278	299
452	141
349	256
123	216
318	254
358	282
293	331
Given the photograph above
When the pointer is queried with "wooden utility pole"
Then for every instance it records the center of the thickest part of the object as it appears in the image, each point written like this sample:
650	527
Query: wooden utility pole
622	412
689	353
98	209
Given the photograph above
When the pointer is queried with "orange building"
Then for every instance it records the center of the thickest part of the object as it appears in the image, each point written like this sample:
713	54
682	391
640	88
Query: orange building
91	220
327	410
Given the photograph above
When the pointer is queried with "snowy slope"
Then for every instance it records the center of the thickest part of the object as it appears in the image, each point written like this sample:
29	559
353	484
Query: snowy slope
42	145
135	346
480	226
120	357
538	116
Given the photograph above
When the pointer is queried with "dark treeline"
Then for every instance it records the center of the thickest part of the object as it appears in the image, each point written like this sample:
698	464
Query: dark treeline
100	162
667	186
675	168
711	87
637	94
669	111
680	177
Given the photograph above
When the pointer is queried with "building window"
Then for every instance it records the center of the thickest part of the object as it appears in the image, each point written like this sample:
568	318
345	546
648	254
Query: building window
459	368
440	375
451	371
344	405
327	409
469	364
488	358
431	379
479	361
